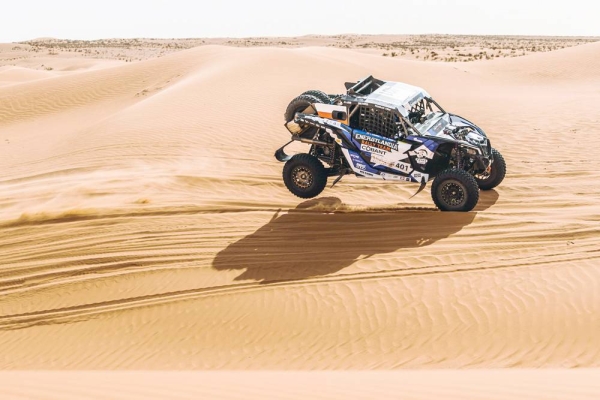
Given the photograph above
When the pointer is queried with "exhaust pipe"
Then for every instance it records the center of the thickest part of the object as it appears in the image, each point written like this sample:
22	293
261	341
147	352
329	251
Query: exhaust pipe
312	141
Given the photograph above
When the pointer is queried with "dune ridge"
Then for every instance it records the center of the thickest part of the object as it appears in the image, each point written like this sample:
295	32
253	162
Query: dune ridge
145	223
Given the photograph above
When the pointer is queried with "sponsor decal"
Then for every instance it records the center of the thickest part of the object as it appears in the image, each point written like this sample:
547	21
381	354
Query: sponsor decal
378	159
376	141
390	159
422	154
358	162
437	127
372	150
322	121
354	156
420	176
369	174
393	177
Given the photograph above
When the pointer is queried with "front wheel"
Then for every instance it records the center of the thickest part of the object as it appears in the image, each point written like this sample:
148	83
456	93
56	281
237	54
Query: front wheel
304	176
455	190
495	176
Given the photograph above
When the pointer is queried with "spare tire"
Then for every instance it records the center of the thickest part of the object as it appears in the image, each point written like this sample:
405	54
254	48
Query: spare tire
322	96
334	98
300	104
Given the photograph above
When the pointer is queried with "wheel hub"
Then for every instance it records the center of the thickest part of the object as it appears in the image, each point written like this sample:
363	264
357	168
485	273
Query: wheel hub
453	193
302	177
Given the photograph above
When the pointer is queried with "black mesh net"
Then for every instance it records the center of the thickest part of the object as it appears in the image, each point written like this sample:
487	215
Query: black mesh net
377	121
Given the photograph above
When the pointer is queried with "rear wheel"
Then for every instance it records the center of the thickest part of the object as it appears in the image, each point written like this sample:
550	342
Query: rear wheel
455	190
304	176
495	176
322	96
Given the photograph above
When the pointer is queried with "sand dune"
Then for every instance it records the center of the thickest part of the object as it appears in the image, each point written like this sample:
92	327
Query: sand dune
570	65
518	384
145	223
16	75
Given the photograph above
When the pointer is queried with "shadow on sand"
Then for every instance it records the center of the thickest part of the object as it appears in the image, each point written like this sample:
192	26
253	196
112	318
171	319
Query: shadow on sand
321	236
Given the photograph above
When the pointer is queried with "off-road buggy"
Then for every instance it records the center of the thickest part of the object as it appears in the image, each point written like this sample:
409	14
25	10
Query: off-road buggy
390	131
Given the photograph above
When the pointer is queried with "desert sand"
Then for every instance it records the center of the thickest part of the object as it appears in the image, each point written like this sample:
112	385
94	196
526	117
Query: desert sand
479	384
145	225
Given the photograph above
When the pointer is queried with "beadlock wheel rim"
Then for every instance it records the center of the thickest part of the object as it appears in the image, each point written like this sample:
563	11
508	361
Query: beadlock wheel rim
453	193
485	175
302	177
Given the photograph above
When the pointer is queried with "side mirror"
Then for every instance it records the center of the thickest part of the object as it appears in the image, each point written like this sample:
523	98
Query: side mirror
339	115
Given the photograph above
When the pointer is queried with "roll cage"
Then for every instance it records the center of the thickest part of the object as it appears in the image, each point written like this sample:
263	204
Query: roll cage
389	109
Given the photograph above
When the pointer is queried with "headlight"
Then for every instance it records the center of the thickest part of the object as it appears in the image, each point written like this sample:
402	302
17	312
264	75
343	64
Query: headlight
475	138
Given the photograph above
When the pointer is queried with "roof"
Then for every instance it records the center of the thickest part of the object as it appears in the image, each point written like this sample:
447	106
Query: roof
397	95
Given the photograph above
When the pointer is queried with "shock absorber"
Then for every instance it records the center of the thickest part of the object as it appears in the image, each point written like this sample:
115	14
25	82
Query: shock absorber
458	156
